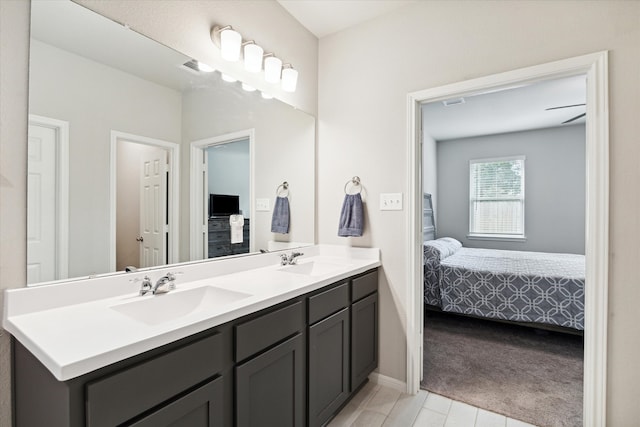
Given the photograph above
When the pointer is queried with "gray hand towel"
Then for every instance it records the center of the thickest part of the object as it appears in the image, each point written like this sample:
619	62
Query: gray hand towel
280	219
351	216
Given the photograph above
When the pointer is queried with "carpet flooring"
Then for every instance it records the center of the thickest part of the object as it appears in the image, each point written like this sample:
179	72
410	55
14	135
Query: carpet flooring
523	373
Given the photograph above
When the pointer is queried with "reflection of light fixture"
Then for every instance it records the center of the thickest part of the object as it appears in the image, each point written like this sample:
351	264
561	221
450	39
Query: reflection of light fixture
228	78
272	68
266	95
252	56
289	78
204	67
248	88
229	41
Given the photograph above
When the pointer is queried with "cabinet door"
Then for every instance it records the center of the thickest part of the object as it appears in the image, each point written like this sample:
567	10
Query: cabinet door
328	366
199	408
364	339
270	388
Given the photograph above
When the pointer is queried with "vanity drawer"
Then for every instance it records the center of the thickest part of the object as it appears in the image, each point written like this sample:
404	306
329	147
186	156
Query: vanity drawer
328	302
364	285
264	331
117	398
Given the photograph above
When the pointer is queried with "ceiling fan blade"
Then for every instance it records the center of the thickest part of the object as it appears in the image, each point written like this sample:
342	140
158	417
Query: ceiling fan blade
575	118
564	106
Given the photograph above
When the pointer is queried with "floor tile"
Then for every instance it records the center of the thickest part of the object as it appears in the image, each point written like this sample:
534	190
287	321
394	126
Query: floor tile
490	419
369	418
406	410
461	415
515	423
383	401
437	403
346	417
365	394
429	418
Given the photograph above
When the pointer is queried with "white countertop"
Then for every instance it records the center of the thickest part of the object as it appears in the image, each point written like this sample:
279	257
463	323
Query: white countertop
73	328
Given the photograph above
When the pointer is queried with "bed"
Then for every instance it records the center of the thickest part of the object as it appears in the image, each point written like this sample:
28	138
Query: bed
530	287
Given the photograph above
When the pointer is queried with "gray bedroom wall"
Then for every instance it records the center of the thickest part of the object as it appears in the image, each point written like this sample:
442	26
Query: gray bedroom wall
554	187
229	169
430	169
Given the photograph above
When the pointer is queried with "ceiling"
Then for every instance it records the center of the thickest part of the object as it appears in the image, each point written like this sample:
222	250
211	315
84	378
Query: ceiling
517	109
325	17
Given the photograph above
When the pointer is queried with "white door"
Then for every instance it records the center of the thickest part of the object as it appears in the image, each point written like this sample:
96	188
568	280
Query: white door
41	204
153	208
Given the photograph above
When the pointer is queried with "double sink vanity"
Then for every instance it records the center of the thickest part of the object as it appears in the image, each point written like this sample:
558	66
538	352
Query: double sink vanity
239	341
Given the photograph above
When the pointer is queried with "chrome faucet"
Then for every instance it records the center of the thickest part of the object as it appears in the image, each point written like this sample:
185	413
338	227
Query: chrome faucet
290	259
164	284
145	286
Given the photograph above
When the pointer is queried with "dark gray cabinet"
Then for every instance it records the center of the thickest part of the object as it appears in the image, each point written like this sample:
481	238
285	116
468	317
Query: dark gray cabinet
270	388
293	364
364	327
328	366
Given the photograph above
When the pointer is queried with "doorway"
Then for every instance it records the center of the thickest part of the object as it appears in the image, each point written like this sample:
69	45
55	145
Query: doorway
144	208
596	284
48	202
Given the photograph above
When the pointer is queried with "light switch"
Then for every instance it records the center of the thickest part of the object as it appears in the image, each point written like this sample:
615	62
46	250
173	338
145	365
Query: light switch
391	201
262	205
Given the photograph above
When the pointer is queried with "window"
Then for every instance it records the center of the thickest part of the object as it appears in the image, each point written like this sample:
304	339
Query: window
496	198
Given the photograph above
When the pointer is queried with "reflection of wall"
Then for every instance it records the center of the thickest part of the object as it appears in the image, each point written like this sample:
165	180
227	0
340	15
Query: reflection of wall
229	170
554	187
95	99
283	143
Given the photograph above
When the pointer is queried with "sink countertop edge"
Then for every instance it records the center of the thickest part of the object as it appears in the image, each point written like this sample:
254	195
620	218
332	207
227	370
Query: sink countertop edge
70	368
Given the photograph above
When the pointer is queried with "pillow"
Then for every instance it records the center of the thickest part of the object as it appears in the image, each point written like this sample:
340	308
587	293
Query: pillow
447	246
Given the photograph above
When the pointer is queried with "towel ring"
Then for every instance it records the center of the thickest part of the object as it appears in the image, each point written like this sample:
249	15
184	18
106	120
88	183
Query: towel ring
285	187
355	181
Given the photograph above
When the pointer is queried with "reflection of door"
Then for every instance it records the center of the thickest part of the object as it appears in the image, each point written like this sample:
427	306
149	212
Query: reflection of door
153	202
41	204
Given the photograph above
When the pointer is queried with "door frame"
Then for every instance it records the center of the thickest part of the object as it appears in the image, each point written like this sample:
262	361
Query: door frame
173	192
198	226
61	129
595	66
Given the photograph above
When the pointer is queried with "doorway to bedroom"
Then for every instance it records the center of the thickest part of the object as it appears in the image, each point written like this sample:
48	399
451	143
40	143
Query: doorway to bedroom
505	172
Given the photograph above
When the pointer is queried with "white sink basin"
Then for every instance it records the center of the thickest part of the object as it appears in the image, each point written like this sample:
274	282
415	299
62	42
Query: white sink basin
313	268
157	309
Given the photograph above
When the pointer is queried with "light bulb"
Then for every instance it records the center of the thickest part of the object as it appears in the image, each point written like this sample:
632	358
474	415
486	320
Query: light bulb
272	69
228	78
253	57
248	88
289	79
230	43
266	95
204	67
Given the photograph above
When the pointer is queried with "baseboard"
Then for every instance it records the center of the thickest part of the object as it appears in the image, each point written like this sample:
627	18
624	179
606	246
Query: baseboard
386	381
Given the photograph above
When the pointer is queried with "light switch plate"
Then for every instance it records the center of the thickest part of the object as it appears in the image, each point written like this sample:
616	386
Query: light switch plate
262	205
391	201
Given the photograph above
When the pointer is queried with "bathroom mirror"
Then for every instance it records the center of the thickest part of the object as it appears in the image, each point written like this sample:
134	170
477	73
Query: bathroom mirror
95	87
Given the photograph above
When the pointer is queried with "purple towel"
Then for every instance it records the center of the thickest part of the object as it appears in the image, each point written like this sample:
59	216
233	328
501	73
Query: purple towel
351	216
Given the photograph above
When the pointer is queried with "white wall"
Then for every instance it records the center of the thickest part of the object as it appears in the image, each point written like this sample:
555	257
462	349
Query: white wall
365	75
554	191
430	170
229	172
96	99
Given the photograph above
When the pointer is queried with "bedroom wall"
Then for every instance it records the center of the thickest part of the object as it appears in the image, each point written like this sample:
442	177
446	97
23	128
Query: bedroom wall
430	170
554	187
365	75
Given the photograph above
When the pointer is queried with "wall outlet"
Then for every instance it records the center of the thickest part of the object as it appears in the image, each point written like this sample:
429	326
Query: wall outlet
262	205
390	201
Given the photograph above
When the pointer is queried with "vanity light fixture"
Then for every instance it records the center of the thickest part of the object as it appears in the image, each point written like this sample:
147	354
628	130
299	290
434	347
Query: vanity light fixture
204	67
248	88
228	78
266	95
252	56
229	41
272	68
289	78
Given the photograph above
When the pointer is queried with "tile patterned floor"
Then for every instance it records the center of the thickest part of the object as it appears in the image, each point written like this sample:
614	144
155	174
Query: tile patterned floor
378	406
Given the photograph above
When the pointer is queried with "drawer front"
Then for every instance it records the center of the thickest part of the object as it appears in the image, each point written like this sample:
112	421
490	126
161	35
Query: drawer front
364	285
328	302
219	224
117	398
264	331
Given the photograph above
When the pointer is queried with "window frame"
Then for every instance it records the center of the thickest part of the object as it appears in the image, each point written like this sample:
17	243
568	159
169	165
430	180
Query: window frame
521	237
